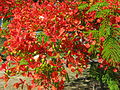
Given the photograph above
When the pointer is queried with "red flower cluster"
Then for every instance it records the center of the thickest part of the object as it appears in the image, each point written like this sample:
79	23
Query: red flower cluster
63	24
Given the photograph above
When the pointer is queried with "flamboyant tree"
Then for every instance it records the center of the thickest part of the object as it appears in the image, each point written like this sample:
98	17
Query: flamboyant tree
43	37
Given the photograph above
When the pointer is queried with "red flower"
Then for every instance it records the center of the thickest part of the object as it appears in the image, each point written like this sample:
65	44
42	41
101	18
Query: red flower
87	45
16	85
115	70
63	72
54	74
0	59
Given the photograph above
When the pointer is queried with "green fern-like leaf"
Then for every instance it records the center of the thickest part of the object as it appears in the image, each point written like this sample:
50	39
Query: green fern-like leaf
97	6
103	13
82	6
111	49
105	29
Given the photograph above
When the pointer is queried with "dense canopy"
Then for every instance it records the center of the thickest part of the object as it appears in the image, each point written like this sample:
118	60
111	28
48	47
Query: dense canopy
43	38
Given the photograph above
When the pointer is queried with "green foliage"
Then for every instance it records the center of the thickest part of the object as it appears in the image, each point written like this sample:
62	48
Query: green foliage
2	41
41	35
5	23
97	6
23	62
82	6
111	78
113	85
102	13
111	46
111	49
105	29
107	76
